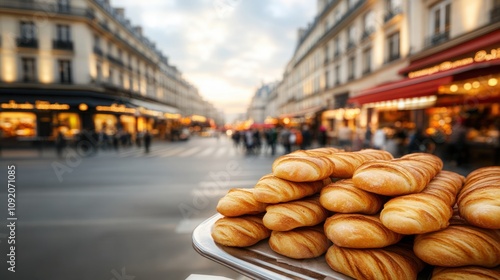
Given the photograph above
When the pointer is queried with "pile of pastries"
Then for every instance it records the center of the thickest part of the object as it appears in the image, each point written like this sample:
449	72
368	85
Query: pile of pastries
370	215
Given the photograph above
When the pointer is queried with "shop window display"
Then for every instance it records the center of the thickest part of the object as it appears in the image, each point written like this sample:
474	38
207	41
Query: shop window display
14	124
69	124
106	122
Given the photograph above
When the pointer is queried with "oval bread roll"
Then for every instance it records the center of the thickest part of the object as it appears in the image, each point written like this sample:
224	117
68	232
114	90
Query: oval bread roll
346	163
240	231
479	199
393	262
423	212
359	231
303	166
300	243
406	175
271	189
294	214
466	273
238	202
459	244
343	197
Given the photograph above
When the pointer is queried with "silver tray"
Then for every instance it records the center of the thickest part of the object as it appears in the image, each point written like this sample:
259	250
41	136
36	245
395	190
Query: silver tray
259	261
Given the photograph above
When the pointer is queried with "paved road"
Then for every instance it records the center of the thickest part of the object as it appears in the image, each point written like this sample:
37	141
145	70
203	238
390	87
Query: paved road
120	215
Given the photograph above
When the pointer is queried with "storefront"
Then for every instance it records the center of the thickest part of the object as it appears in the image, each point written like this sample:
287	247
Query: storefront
460	83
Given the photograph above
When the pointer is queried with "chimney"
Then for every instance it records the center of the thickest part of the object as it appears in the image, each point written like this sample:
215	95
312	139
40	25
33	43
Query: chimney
138	30
301	32
120	12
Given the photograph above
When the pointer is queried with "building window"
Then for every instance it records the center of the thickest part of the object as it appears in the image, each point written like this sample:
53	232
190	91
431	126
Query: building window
368	24
64	71
99	71
28	30
367	60
336	43
29	69
121	80
440	19
337	75
328	80
63	5
17	124
495	12
351	37
63	33
393	47
110	75
351	67
393	8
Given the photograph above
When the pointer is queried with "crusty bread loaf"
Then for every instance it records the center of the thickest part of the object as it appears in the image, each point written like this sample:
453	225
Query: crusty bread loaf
240	231
427	211
271	189
359	231
294	214
479	199
406	175
300	243
303	166
346	163
393	262
238	202
465	273
343	197
459	244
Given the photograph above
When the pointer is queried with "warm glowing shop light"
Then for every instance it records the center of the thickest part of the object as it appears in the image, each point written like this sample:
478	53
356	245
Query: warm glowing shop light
116	109
172	116
467	86
198	118
453	88
492	82
404	104
13	105
476	84
149	112
39	105
83	107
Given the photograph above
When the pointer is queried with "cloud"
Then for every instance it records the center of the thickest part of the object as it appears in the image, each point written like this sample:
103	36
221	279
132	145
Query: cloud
224	47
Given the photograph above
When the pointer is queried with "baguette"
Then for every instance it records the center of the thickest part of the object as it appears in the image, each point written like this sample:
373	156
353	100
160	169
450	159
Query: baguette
346	163
459	244
406	175
359	231
240	231
271	189
479	200
343	197
238	202
465	273
303	166
423	212
300	243
393	262
294	214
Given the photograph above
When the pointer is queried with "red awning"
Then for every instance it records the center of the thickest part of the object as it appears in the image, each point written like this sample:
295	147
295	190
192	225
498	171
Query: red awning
473	45
415	87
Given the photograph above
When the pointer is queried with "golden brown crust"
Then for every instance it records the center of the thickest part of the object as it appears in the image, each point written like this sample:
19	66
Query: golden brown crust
238	202
271	189
240	231
459	245
466	273
304	166
359	231
300	243
406	175
347	162
479	199
294	214
343	197
393	262
423	212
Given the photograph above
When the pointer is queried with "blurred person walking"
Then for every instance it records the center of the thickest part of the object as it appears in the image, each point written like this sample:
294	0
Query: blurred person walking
271	138
60	143
306	137
285	140
147	141
345	137
379	138
367	143
322	136
457	146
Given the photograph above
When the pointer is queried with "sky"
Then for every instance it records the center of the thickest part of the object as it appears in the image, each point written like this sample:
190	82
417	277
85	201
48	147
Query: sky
226	48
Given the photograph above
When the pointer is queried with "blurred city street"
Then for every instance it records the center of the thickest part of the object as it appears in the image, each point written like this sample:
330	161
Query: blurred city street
123	214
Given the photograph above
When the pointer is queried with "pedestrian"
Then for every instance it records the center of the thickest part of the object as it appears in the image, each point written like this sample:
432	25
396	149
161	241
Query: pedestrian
345	137
249	144
60	143
457	146
147	141
306	137
367	143
322	136
285	140
379	138
271	137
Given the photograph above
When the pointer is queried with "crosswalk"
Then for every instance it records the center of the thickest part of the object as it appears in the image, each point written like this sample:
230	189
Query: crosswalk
181	152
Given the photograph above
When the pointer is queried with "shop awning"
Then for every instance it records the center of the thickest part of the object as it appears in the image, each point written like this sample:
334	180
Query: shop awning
418	87
301	113
71	98
154	106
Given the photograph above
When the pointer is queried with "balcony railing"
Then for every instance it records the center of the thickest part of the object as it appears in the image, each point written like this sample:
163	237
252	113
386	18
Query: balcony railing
98	51
495	14
46	8
366	33
27	42
62	45
115	60
350	45
438	38
392	13
367	70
